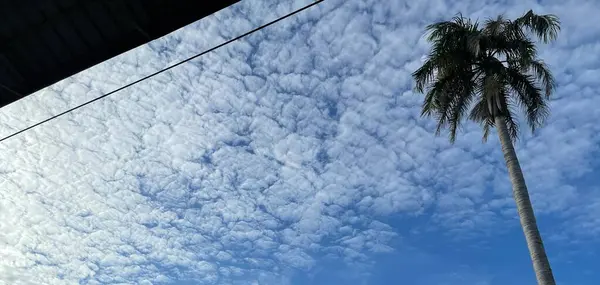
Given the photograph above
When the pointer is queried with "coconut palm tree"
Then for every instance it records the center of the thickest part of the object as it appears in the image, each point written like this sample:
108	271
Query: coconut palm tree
487	72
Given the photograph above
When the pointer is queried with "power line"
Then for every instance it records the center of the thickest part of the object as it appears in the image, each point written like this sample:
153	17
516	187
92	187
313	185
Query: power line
163	70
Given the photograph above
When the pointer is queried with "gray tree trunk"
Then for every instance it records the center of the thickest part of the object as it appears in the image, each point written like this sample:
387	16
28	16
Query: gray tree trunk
541	265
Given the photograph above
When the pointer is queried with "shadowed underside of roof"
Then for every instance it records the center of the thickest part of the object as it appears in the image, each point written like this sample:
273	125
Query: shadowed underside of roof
45	41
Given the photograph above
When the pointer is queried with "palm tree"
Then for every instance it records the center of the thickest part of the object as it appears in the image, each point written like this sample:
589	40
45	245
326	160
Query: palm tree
488	72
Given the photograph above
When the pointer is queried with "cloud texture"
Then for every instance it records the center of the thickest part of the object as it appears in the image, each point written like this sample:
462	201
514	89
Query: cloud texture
296	149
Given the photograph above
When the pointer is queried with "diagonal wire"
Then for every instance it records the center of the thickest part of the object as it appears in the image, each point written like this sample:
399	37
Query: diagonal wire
163	70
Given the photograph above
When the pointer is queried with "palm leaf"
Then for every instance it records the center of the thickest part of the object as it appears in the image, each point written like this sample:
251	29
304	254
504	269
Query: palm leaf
545	27
541	71
528	96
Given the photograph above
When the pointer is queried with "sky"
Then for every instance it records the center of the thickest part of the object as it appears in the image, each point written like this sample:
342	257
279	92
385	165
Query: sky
297	156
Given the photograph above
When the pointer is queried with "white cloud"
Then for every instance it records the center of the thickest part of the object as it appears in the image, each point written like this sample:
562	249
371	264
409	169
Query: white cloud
261	158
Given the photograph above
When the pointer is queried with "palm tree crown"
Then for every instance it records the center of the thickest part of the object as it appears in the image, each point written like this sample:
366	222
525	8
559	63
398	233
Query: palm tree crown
487	71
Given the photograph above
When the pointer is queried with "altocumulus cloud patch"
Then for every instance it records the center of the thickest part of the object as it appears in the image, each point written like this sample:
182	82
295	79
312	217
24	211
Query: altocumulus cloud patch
294	148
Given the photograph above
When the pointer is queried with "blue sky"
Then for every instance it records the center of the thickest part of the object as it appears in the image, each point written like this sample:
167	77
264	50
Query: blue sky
296	156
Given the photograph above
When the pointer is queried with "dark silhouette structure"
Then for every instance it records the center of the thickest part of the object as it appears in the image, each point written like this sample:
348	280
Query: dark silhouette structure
45	41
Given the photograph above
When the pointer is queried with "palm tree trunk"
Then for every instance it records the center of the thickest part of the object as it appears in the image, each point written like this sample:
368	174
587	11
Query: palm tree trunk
541	266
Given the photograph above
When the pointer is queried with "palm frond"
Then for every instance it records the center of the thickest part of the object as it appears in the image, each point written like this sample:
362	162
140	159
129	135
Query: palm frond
541	71
442	29
474	44
444	99
447	51
486	130
509	41
545	27
528	96
465	87
514	49
423	75
494	27
480	114
436	97
511	122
